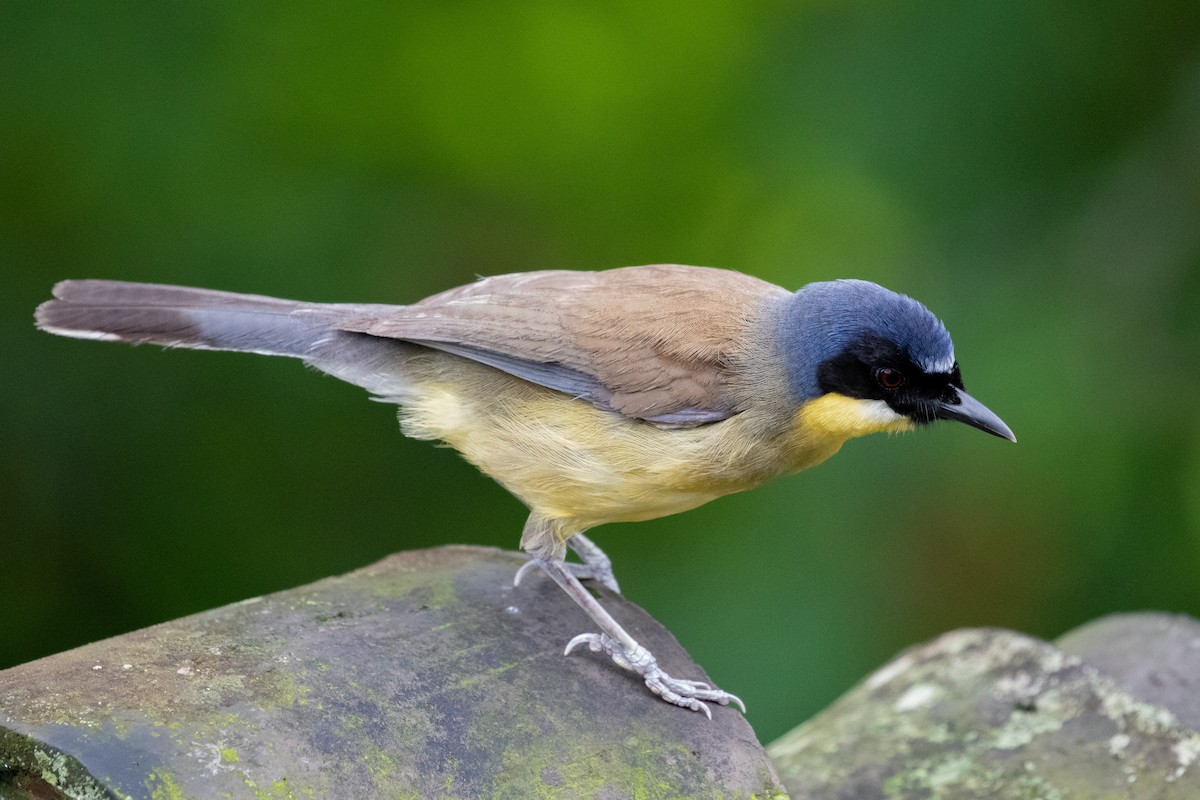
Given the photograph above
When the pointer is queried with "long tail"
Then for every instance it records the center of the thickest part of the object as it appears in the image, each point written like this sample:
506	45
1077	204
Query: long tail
205	319
178	316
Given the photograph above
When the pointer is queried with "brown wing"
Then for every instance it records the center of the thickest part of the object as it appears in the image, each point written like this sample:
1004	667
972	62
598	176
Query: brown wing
651	342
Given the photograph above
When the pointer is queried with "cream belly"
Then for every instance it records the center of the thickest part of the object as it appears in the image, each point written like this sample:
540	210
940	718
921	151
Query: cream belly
581	467
571	462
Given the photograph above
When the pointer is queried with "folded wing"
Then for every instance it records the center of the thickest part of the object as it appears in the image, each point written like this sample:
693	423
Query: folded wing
652	342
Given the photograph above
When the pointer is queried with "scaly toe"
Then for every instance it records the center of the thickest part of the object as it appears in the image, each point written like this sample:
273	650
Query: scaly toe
694	695
682	701
694	690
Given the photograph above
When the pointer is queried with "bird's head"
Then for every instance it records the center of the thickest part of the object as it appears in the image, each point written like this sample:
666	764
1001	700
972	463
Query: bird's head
856	340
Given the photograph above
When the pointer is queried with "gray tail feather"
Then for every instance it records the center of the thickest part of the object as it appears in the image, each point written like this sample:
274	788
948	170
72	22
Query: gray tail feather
178	316
205	319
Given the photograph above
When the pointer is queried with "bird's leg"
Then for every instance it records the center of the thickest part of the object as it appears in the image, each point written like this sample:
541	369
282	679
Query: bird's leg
596	565
625	650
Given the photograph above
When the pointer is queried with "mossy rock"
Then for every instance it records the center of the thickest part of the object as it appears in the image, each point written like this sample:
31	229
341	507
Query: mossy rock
993	714
426	675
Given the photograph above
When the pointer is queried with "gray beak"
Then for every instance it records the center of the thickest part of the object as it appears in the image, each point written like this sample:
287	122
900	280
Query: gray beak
967	409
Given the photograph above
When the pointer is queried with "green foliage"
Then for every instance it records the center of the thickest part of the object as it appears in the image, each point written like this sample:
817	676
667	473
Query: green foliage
1027	169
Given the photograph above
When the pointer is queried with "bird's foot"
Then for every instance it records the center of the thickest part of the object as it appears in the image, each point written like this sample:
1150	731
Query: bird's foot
601	573
694	695
596	565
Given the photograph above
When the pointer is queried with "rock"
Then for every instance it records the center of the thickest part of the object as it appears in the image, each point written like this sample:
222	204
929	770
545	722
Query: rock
1153	656
424	675
996	714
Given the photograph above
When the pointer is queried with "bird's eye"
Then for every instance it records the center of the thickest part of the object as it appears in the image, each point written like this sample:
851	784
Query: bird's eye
889	378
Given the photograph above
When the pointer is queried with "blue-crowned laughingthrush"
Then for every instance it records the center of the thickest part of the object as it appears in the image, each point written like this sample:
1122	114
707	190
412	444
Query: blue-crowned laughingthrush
594	397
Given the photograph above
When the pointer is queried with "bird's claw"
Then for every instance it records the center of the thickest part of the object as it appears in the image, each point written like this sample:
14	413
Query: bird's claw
684	693
526	567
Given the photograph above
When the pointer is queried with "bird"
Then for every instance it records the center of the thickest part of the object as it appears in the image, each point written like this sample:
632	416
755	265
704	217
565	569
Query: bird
593	397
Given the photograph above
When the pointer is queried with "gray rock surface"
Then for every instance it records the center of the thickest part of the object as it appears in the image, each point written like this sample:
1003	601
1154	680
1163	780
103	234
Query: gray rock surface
426	675
1153	656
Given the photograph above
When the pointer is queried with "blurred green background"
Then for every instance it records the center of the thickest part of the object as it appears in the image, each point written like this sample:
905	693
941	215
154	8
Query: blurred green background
1030	170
